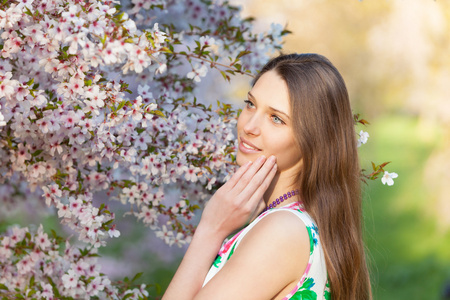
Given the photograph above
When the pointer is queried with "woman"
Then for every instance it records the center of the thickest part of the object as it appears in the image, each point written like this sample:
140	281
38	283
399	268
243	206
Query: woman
296	140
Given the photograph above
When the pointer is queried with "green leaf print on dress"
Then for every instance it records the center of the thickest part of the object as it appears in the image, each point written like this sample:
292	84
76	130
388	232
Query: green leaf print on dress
311	240
305	292
217	261
326	293
232	251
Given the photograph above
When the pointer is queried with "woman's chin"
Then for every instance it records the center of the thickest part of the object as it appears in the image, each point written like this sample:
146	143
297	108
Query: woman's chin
241	159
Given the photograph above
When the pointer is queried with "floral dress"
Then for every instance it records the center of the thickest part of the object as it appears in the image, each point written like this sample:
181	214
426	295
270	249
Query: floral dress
313	284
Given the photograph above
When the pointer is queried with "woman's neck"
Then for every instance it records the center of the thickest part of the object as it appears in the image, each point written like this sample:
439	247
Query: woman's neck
280	185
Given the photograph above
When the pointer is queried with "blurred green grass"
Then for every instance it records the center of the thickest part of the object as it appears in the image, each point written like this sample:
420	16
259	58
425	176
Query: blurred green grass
409	254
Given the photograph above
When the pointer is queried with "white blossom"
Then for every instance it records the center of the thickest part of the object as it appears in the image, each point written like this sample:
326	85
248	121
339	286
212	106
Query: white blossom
388	178
199	70
363	137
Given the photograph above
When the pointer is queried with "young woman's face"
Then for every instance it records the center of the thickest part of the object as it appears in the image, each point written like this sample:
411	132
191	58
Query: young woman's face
265	125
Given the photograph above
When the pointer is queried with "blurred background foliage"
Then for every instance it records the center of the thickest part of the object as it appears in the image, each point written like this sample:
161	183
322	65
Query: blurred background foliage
394	58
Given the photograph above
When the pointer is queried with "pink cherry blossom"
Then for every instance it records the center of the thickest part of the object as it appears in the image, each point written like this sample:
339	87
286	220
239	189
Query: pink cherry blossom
7	86
47	291
42	240
70	279
2	118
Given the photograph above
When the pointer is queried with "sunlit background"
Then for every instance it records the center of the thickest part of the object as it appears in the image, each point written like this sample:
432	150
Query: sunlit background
394	56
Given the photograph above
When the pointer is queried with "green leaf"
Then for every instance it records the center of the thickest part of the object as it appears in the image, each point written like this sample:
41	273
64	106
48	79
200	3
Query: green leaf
37	152
28	11
242	53
209	169
19	296
31	293
158	288
103	40
384	164
120	16
158	113
225	76
284	32
54	233
55	289
122	104
137	276
108	222
32	281
3	287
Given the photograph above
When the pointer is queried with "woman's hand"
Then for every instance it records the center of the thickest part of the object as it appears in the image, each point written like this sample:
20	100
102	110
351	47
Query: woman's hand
231	207
240	199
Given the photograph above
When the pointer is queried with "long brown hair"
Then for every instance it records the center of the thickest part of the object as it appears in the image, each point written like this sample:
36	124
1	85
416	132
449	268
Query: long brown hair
329	181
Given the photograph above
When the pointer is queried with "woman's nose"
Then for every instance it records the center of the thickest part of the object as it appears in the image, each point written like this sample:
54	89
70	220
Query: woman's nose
253	126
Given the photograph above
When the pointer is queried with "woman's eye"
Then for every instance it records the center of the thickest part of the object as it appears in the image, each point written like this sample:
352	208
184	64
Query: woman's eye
248	103
277	120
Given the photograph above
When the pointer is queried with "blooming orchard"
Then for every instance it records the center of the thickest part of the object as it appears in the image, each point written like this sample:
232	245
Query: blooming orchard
72	126
97	97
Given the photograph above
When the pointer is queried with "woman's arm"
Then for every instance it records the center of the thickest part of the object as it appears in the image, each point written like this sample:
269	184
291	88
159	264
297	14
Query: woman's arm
231	207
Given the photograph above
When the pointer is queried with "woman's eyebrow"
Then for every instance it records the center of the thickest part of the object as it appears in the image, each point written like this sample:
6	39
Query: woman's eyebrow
274	109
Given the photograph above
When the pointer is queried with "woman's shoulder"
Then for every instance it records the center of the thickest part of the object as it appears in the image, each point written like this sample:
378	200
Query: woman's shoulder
281	227
274	248
293	216
277	243
279	231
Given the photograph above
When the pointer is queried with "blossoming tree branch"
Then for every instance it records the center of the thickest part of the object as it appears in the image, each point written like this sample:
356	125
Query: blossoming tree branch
95	97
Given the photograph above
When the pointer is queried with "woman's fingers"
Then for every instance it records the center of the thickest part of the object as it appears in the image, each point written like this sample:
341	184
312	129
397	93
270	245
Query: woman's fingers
237	176
255	196
249	192
237	200
259	169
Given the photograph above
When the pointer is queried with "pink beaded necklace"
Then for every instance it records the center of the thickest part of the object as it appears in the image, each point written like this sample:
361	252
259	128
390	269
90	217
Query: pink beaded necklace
281	199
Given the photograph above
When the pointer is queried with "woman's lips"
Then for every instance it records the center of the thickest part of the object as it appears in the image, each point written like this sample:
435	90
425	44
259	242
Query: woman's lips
247	147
